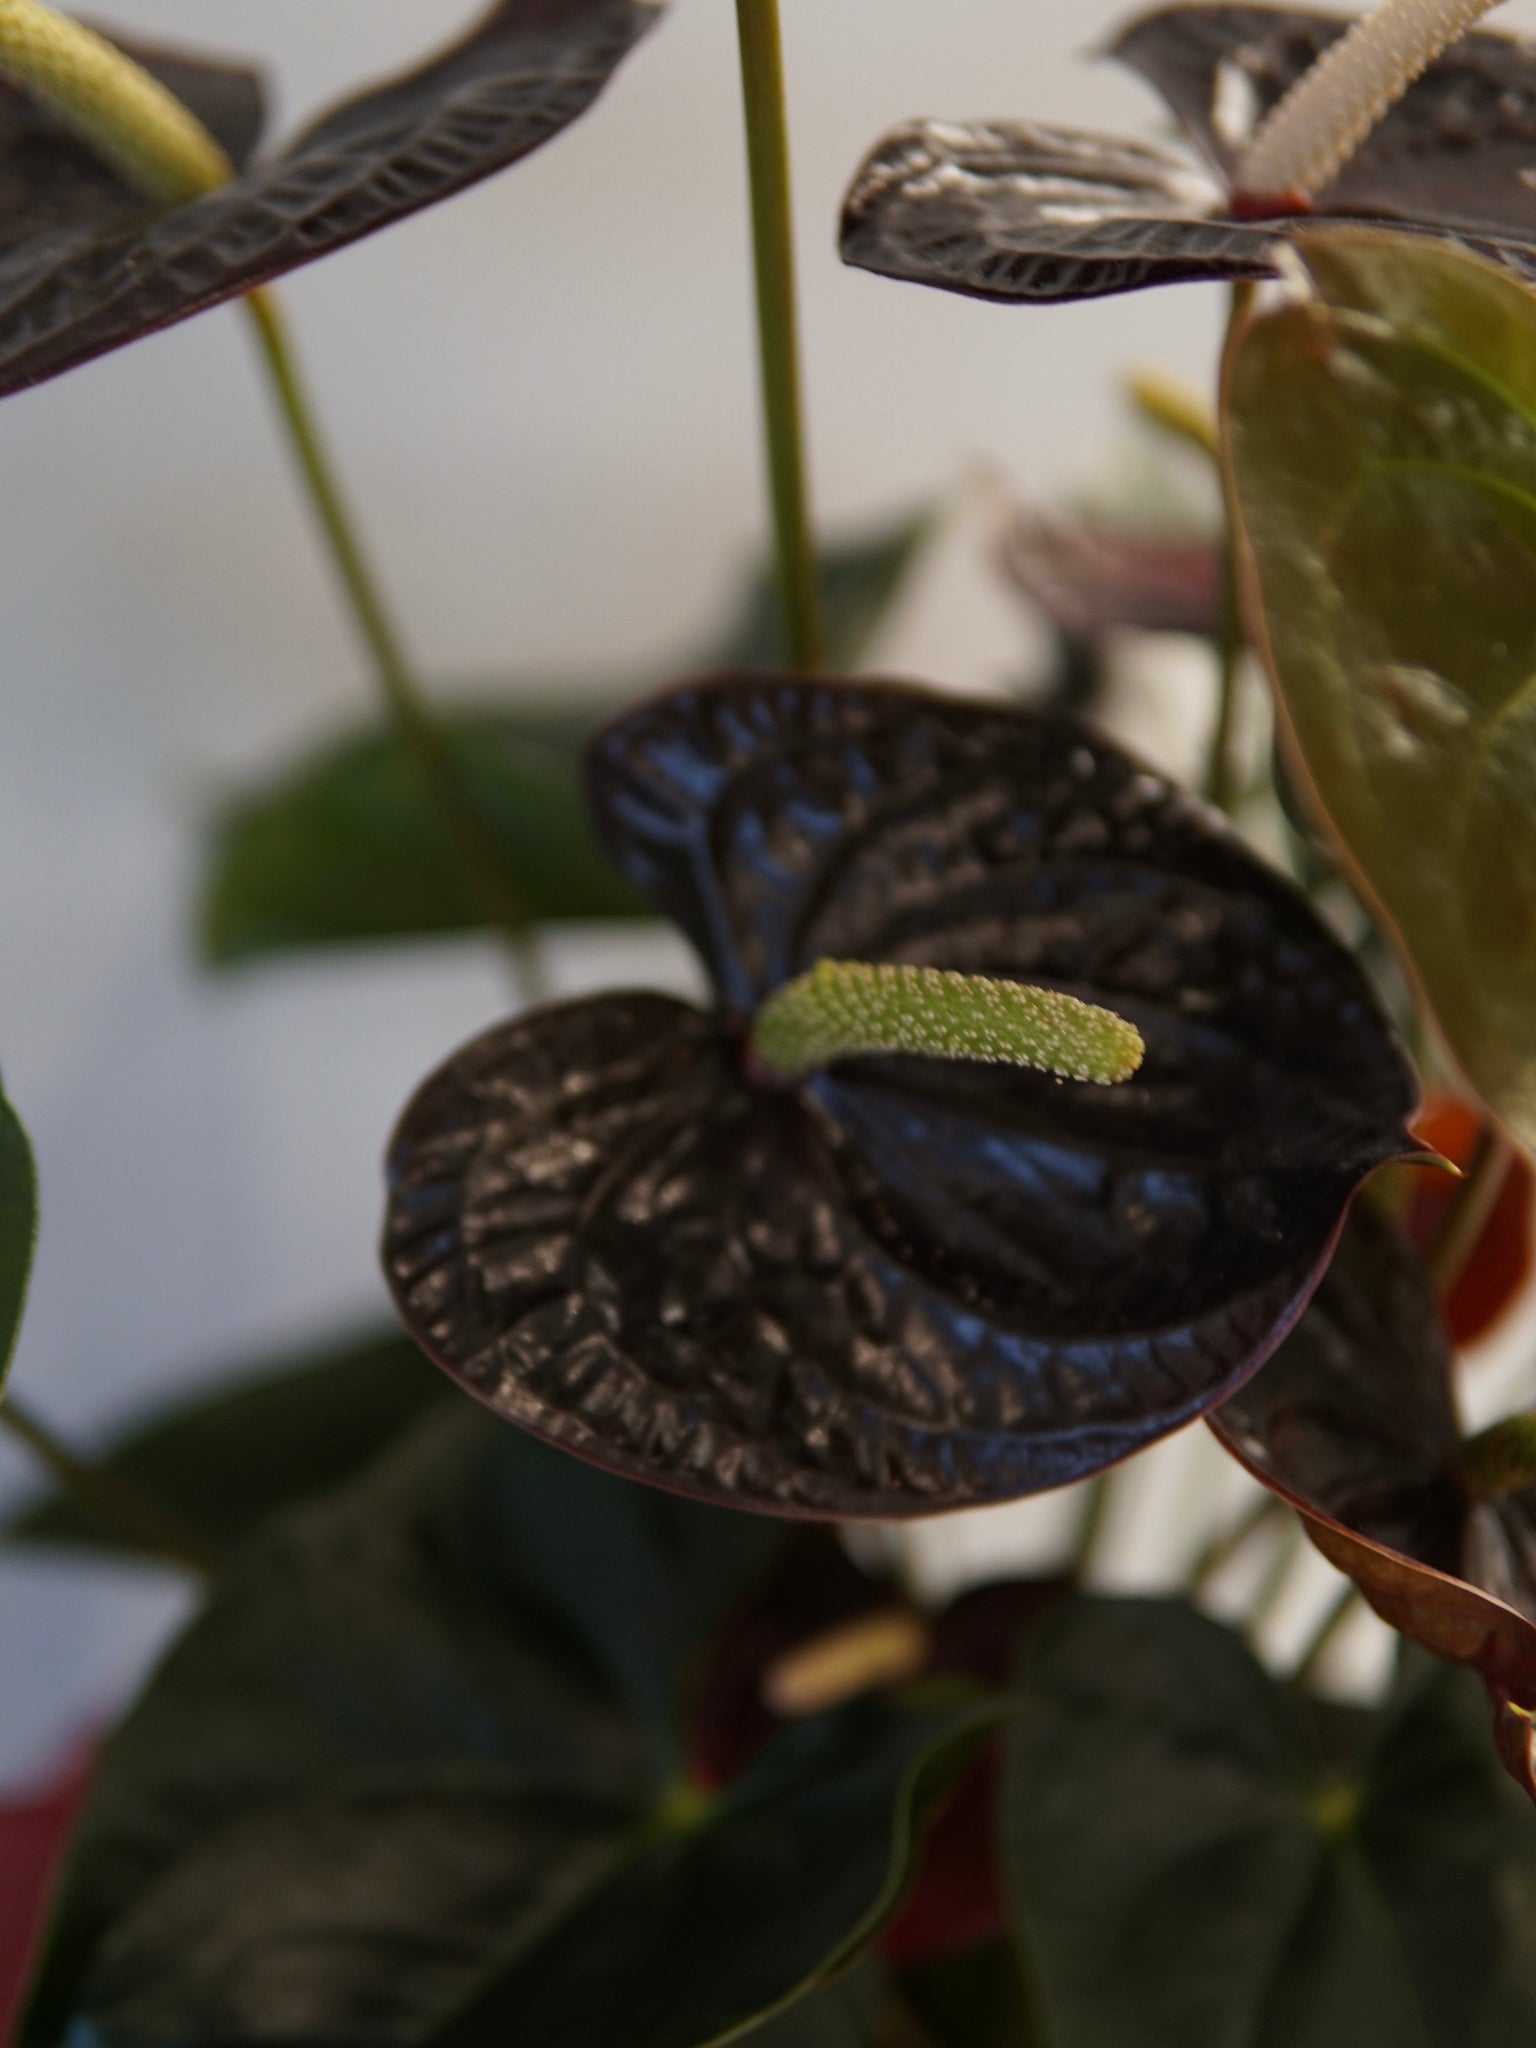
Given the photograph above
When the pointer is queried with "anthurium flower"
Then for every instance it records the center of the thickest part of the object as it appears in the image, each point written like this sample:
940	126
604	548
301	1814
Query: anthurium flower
87	264
1354	1422
899	1283
1020	211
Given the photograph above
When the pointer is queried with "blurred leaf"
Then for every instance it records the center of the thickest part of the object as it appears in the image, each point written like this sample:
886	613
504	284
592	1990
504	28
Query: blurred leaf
974	2000
1383	449
18	1229
343	847
1191	1866
346	847
394	1649
226	1459
843	2014
367	1917
773	1890
861	579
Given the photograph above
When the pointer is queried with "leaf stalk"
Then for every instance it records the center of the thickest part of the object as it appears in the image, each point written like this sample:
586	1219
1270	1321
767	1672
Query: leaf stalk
767	122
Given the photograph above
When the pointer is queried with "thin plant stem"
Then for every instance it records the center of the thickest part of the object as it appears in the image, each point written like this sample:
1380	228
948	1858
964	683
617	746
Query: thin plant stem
420	731
1471	1205
137	1517
1277	1573
1223	775
762	77
1089	1539
1324	1637
1227	1543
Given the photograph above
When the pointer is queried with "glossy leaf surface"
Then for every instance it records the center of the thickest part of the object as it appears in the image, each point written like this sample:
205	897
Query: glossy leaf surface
1191	1864
344	848
227	1458
415	1705
783	1882
1383	452
1453	151
1019	211
18	1229
907	1284
71	291
1353	1422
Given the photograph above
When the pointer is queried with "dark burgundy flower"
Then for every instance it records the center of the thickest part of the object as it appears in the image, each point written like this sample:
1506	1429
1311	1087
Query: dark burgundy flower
87	265
904	1284
1022	211
1354	1423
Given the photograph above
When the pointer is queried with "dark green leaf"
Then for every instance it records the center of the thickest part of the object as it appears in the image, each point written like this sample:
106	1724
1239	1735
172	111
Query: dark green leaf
861	579
360	1916
227	1459
1383	450
345	847
524	72
18	1229
1193	1868
978	1999
404	1628
374	1915
348	848
844	2014
768	1894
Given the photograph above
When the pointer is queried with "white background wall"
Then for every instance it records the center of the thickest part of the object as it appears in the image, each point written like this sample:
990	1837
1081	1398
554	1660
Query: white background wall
544	397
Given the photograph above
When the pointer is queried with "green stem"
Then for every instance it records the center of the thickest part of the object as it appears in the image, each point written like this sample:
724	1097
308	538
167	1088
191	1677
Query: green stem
1472	1203
1223	777
143	1523
1324	1637
1098	1498
1227	1543
762	77
420	731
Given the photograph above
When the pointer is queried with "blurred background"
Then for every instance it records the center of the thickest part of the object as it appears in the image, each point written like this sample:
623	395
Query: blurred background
544	398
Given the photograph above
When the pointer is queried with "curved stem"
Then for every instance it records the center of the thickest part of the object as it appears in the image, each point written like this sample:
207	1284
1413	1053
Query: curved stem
762	77
1324	1637
1223	1547
421	733
144	1524
1222	775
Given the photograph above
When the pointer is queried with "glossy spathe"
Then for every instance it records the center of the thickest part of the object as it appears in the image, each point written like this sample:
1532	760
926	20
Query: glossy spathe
905	1284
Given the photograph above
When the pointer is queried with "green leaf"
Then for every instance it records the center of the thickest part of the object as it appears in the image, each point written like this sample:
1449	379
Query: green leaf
366	1915
402	1649
1193	1864
771	1892
225	1460
18	1229
861	580
976	1999
1382	448
342	848
345	848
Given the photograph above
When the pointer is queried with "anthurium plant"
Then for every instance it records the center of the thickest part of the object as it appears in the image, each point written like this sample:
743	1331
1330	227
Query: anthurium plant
1039	1108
